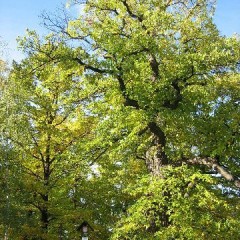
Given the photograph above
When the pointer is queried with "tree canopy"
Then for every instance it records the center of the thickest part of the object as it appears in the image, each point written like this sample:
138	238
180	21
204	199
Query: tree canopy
127	117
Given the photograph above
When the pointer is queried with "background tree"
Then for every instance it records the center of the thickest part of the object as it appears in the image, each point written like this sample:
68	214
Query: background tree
11	198
45	121
51	129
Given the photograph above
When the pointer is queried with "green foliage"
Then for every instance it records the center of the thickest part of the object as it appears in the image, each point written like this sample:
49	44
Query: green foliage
194	207
164	63
44	122
128	117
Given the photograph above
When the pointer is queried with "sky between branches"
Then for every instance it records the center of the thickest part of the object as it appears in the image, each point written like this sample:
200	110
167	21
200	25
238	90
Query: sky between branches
18	15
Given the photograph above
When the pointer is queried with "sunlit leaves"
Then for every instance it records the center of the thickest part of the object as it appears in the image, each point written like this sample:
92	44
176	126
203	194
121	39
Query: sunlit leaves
190	201
124	80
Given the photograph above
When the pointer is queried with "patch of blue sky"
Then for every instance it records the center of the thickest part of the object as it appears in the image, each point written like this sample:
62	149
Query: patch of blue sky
16	16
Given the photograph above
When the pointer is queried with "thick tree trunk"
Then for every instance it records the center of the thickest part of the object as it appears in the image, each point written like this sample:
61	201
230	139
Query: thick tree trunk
156	158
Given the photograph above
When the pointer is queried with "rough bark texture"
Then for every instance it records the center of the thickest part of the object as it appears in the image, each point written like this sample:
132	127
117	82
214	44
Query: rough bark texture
156	160
155	156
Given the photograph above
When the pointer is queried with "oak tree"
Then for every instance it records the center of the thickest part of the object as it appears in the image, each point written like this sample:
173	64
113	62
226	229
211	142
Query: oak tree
170	98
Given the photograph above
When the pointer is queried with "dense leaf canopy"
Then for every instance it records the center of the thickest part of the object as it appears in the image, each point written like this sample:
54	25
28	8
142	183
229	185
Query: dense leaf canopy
127	117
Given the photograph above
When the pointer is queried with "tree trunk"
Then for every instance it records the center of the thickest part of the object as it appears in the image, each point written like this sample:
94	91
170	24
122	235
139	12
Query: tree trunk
45	195
156	158
45	213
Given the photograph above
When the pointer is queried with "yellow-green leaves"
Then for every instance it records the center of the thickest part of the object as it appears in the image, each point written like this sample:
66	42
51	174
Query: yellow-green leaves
187	199
114	109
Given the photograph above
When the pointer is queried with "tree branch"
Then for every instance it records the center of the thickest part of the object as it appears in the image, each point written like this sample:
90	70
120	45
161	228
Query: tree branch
129	11
92	68
128	100
212	163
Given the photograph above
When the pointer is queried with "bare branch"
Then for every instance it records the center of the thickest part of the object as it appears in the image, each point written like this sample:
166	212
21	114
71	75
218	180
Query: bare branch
212	163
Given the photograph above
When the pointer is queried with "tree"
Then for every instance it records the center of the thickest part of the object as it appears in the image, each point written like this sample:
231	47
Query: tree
11	198
44	123
168	86
6	154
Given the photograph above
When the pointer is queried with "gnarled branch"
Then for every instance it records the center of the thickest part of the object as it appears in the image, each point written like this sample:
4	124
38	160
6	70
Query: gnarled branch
212	163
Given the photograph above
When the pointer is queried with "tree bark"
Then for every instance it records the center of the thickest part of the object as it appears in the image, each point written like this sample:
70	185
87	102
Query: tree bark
156	157
156	160
213	163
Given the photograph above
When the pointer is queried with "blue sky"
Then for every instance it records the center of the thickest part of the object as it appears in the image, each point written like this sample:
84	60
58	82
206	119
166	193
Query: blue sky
18	15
